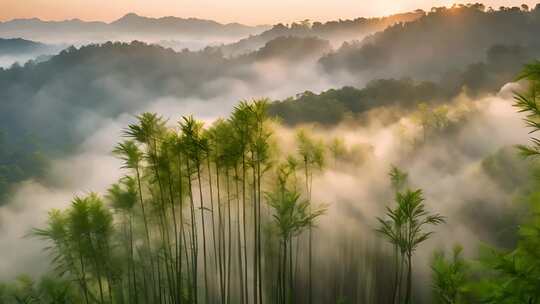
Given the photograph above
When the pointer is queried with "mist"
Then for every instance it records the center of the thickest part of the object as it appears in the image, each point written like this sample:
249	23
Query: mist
356	190
447	165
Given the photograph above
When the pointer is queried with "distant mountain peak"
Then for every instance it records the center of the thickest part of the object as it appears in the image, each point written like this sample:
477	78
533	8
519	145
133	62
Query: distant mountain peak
21	20
129	17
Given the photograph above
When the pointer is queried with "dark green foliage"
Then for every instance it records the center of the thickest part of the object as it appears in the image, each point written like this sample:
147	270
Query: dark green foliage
49	289
513	276
19	160
502	275
107	80
518	179
404	228
450	277
528	103
332	106
150	71
507	160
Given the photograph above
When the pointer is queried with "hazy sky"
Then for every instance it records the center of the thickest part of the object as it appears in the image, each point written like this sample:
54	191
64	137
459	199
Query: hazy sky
243	11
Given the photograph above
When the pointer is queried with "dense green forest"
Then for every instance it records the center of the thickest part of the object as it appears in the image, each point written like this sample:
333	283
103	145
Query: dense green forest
19	161
224	214
415	48
330	107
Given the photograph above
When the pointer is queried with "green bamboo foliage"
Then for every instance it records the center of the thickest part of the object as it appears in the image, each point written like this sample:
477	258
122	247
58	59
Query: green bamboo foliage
416	219
204	215
195	147
221	158
62	249
132	158
81	239
241	121
48	289
191	221
123	199
291	216
450	277
392	230
311	153
404	228
527	103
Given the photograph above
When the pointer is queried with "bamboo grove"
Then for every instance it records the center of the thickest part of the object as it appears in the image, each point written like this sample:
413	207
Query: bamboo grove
404	227
220	214
202	215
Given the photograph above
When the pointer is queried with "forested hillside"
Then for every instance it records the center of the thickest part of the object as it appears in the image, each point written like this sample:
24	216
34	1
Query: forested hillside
17	46
333	31
17	50
330	107
444	38
114	78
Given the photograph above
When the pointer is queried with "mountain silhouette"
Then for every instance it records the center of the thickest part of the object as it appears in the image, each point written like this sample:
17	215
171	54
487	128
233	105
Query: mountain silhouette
129	27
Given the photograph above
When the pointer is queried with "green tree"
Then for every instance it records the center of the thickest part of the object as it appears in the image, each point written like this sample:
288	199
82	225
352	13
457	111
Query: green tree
391	228
123	198
404	228
450	277
291	217
311	154
416	218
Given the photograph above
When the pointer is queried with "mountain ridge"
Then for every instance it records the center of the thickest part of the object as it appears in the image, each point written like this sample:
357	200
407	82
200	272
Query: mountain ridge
130	15
128	27
336	31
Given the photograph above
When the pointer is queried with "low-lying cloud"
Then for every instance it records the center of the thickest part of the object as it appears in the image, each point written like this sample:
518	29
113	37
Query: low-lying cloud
448	168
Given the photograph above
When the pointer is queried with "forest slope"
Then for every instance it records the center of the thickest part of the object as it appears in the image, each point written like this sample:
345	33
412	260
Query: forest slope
443	38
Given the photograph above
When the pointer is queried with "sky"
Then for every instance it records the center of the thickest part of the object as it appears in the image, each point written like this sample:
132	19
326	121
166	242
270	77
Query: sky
243	11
